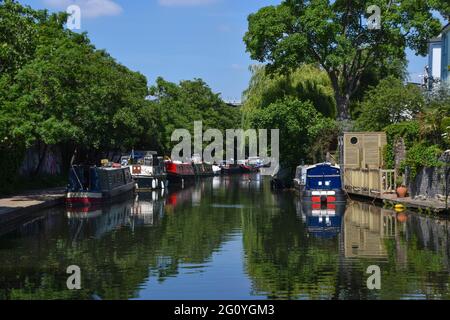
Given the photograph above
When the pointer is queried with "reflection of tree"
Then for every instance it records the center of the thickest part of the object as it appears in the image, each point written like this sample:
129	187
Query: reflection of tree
118	253
282	260
412	255
116	262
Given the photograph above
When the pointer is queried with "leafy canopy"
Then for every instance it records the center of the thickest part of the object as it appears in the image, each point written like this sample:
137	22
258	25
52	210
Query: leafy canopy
334	34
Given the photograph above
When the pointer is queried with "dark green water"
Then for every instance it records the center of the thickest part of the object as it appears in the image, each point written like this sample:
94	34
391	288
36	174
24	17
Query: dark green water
226	238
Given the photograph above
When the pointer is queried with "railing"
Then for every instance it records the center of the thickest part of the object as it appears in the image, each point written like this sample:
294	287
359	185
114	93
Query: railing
372	182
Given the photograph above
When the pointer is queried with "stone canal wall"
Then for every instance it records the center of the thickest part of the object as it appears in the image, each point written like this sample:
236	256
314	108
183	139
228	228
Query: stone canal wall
429	183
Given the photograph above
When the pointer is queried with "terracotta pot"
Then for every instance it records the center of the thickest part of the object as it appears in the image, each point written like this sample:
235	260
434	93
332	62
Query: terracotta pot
401	192
401	217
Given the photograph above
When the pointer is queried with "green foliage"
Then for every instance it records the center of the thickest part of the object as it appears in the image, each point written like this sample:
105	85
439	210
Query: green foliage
57	89
330	33
301	127
409	131
389	102
420	156
307	83
179	105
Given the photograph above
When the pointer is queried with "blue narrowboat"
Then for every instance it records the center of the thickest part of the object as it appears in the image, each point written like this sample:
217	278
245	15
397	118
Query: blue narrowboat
320	183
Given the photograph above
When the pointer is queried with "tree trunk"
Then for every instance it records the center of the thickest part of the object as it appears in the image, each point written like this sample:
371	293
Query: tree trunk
342	103
342	100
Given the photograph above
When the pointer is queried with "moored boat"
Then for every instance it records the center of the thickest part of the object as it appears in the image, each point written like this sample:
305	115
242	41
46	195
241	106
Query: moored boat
91	185
203	169
229	167
148	170
179	173
320	183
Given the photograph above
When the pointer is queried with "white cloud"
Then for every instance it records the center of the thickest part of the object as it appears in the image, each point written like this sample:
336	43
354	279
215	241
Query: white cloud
184	3
89	8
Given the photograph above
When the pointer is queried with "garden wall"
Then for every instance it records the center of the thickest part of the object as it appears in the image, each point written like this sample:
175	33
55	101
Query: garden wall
429	183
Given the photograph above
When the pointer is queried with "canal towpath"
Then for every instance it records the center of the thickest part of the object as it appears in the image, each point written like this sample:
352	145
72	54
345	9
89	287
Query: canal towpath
30	201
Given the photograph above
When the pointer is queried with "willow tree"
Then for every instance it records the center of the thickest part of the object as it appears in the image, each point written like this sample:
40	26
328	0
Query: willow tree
307	83
335	35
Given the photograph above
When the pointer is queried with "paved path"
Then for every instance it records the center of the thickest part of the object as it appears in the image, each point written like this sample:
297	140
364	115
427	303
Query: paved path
32	200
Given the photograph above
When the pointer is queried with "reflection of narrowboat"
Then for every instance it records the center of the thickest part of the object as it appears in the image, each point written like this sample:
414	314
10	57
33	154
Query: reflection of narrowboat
320	183
148	170
321	220
93	185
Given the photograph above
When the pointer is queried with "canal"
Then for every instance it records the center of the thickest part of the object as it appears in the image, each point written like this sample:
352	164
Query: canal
225	238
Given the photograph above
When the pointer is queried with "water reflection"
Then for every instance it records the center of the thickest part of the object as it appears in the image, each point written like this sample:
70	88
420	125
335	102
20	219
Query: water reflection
322	221
225	238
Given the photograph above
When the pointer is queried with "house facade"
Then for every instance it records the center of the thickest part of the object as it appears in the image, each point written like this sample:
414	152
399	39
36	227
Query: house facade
438	69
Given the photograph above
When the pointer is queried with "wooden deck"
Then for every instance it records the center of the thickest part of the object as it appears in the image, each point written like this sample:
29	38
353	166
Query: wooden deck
379	185
429	205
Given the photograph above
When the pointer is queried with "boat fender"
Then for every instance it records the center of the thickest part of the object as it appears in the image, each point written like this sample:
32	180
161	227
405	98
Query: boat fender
153	184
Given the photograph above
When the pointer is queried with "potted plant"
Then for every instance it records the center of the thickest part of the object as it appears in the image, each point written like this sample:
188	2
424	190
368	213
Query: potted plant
401	188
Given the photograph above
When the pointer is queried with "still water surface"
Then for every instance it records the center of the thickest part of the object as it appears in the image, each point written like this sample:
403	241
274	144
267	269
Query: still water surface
225	238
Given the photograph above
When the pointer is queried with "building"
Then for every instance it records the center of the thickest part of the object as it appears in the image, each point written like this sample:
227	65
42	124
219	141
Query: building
438	69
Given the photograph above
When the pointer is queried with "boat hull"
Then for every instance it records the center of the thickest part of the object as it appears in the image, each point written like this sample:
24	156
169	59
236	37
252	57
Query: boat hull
179	179
144	183
324	196
86	198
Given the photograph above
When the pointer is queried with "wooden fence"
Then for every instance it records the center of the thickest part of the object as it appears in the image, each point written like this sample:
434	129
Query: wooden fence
370	182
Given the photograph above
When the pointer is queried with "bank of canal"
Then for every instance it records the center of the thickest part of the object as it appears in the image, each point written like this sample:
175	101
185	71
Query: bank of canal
225	238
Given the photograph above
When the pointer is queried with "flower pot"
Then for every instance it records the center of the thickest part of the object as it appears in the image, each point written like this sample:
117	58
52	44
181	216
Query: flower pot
401	192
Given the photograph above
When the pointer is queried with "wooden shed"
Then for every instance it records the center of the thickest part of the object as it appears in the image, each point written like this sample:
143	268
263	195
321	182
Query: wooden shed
364	150
363	165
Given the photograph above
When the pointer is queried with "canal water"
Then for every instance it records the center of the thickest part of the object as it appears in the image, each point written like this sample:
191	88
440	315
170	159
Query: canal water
225	238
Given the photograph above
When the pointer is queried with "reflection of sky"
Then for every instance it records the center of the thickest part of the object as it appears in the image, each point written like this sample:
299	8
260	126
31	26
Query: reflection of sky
222	277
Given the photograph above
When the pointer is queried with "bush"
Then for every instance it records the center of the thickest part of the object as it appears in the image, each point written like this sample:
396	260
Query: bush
421	156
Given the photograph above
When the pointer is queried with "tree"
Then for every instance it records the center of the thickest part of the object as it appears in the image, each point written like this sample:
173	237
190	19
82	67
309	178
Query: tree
332	34
301	128
307	83
388	103
181	104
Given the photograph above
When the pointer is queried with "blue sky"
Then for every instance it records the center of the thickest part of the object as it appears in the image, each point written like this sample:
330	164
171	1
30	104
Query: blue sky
179	39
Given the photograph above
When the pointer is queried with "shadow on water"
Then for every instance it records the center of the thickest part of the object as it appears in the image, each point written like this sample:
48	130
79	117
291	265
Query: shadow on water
229	238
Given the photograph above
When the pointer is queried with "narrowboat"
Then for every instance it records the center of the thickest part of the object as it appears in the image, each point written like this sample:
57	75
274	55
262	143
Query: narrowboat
320	183
179	173
203	169
91	185
148	170
229	167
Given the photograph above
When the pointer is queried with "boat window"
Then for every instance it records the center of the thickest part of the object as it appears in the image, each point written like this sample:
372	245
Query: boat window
354	140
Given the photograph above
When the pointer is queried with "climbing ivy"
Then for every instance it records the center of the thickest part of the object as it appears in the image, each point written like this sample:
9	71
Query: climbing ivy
408	130
419	156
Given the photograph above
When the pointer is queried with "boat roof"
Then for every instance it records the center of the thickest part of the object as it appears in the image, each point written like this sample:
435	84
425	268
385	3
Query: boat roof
327	164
